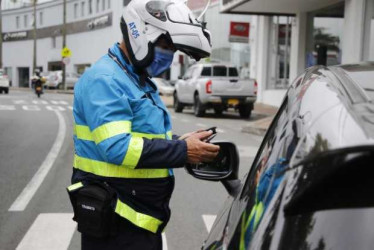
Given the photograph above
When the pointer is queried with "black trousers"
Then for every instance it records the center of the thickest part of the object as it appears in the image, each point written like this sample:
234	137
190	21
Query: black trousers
129	237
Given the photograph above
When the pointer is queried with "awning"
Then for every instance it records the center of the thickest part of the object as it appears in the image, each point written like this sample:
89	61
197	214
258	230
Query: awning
277	7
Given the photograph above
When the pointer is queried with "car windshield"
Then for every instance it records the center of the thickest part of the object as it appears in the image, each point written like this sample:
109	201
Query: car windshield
219	71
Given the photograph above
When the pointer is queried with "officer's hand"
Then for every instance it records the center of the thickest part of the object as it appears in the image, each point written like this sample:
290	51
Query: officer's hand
185	136
198	151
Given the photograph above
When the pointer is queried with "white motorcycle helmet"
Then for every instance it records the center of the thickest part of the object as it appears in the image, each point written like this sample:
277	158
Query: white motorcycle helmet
144	21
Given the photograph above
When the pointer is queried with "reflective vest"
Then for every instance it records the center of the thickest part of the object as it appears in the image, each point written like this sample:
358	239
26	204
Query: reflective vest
112	115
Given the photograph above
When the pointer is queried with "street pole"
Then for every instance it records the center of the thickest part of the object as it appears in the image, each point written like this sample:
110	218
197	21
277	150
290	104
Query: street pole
34	65
1	36
64	44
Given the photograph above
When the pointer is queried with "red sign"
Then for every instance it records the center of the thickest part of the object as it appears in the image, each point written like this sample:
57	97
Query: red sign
239	32
198	4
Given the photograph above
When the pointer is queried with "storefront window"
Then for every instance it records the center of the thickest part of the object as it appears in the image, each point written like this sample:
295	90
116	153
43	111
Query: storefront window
327	37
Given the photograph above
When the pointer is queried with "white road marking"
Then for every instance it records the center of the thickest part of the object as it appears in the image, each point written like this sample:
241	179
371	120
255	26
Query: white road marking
201	125
19	102
219	130
59	102
30	108
7	107
29	191
184	120
49	231
40	102
247	151
55	108
164	242
70	107
209	221
173	117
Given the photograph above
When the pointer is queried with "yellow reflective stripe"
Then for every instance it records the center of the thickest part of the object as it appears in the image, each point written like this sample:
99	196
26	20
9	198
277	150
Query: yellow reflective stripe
75	186
134	151
169	135
105	169
111	129
141	220
83	132
148	136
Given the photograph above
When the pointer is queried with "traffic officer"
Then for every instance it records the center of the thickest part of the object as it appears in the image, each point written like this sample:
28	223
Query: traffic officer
122	130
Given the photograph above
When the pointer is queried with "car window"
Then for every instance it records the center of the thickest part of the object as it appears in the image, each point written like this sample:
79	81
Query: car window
219	71
233	71
266	173
207	71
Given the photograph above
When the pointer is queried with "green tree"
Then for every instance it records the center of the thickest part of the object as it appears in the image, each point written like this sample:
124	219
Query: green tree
321	37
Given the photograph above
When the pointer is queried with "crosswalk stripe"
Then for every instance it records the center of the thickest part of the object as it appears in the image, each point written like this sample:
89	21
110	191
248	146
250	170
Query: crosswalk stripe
209	221
19	102
59	102
49	231
7	107
70	107
164	242
31	108
40	102
247	151
55	108
201	125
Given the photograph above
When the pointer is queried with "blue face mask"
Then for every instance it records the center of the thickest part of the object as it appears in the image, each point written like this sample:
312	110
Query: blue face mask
161	62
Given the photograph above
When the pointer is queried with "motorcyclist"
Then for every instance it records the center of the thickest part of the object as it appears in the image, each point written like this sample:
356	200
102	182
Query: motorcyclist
37	82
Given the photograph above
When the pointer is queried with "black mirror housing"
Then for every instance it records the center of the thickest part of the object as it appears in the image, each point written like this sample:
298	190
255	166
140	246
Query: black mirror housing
180	77
225	167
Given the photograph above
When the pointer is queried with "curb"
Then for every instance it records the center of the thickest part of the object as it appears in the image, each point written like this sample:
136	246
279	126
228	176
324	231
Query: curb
258	127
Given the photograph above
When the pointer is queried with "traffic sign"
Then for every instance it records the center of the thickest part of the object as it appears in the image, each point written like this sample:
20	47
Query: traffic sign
66	60
66	52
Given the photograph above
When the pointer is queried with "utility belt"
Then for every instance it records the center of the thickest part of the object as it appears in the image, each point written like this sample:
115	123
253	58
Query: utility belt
93	204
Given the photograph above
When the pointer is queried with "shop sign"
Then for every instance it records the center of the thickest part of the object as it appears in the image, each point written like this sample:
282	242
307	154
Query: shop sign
98	22
12	36
239	32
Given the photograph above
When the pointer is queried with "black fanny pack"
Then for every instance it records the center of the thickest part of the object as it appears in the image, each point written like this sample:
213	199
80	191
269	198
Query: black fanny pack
93	206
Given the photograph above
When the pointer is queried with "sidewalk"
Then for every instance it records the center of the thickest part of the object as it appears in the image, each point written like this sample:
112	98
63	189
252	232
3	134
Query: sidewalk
257	127
260	126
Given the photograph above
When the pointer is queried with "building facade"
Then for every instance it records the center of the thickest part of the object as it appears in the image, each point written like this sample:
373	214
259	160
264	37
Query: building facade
92	27
289	38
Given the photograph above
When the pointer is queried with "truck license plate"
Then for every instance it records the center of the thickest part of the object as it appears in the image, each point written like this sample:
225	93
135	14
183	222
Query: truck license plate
233	102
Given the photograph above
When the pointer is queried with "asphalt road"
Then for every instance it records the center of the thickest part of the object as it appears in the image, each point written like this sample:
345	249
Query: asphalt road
36	152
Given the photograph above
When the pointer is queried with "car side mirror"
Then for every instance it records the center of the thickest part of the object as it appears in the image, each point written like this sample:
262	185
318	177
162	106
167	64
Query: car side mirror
224	168
180	77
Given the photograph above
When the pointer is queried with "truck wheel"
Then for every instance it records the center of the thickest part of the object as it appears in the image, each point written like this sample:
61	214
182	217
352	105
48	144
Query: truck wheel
6	91
218	110
178	107
245	110
198	107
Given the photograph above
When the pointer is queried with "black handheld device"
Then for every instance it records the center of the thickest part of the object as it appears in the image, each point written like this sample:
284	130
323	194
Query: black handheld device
214	129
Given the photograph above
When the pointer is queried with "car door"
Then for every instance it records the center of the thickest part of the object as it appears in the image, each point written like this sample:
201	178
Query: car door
234	229
192	82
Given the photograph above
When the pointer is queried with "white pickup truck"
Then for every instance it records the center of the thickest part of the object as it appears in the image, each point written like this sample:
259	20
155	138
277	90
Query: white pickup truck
215	86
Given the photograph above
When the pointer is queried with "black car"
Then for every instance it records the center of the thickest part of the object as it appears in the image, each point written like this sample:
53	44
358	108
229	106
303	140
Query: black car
310	185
